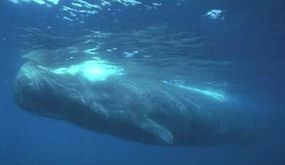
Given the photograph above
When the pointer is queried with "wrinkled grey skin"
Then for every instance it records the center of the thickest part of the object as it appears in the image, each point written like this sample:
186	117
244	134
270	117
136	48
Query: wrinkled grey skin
132	108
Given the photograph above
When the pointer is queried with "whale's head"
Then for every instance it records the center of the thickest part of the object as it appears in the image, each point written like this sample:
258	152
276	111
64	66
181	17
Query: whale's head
36	89
61	91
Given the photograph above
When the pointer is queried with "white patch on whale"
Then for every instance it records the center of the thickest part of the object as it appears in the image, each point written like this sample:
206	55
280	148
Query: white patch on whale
92	70
219	96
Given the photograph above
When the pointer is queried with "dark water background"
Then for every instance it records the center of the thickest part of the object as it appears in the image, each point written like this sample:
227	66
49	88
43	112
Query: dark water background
252	34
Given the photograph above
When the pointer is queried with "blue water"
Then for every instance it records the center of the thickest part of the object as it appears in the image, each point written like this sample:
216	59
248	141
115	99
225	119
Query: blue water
247	35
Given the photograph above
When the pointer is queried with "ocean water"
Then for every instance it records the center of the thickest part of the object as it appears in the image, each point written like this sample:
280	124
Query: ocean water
227	50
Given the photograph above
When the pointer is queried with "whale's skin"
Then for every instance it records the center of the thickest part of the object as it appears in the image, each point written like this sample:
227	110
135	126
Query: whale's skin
133	108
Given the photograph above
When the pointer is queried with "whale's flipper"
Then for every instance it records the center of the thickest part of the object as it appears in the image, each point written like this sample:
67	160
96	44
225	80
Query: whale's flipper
157	130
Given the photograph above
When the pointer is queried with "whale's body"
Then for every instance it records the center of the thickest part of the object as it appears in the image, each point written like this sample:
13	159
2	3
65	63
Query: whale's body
134	108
